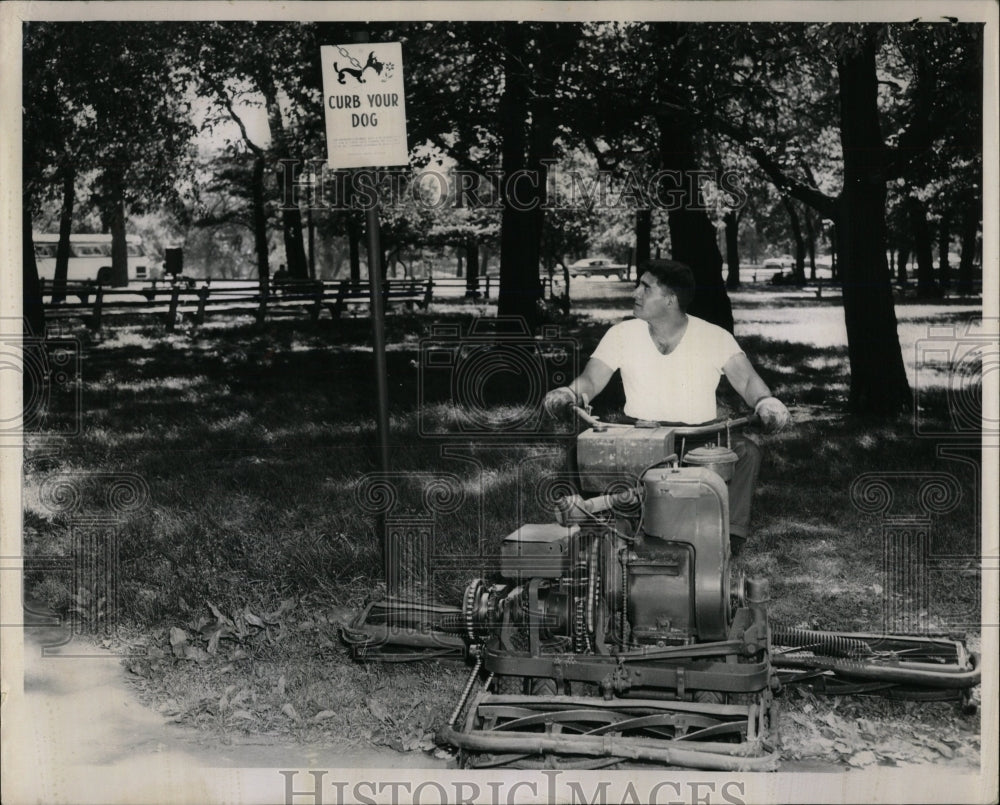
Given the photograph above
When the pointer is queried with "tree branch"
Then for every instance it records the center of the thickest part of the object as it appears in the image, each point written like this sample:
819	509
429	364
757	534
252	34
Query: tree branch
227	102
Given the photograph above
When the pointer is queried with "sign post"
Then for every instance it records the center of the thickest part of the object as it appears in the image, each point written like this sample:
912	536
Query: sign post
365	114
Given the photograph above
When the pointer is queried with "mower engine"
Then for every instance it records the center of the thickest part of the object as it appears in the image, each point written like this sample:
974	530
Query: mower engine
627	595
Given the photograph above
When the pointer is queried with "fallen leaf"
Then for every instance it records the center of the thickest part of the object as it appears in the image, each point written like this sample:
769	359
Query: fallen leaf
252	619
280	687
195	653
289	710
218	615
800	719
322	715
378	710
862	759
177	636
285	606
867	727
935	744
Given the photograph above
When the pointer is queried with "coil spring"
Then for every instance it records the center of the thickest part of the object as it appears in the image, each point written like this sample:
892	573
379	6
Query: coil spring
824	643
579	609
624	602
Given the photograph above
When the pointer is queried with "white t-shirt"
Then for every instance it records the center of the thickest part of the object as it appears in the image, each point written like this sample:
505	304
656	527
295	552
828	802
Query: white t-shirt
679	387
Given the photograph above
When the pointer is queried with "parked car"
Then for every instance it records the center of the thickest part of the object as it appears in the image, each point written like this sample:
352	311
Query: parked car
597	267
773	262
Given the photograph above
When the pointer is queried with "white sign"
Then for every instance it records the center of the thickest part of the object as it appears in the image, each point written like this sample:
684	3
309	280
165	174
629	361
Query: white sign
364	103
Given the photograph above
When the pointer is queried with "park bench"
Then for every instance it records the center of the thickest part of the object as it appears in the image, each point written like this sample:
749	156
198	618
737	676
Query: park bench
407	292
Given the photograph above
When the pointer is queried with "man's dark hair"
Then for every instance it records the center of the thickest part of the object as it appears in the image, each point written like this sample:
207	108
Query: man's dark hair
673	275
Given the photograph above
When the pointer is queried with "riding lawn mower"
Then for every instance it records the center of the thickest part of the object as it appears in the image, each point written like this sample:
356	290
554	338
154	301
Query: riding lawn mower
619	632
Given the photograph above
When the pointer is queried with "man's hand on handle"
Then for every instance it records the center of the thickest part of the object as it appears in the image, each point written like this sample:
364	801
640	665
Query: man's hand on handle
558	401
773	414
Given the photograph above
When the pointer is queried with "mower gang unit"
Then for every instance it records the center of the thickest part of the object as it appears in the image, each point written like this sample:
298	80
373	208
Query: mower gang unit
617	632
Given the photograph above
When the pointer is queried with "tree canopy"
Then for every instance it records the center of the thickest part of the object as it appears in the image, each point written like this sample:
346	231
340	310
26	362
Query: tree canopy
869	135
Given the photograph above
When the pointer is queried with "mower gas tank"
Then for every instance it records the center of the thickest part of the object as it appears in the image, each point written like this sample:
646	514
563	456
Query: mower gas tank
690	505
609	455
539	550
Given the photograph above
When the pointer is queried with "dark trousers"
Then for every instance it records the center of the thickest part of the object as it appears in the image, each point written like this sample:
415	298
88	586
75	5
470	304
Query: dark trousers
742	485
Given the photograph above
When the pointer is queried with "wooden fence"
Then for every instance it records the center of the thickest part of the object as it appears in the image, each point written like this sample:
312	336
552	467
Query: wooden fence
197	299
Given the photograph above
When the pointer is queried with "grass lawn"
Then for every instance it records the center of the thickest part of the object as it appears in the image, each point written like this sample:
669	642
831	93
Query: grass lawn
258	536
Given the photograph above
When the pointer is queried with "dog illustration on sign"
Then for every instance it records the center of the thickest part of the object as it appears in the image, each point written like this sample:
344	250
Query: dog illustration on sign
358	72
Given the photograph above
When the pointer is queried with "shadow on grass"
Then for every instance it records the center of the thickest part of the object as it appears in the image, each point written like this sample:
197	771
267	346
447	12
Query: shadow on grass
253	444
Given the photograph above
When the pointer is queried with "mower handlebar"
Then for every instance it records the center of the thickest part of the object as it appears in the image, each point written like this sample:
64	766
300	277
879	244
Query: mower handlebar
682	430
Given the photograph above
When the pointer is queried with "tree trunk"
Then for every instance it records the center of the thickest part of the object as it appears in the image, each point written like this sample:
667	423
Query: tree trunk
923	248
732	221
878	378
291	215
643	237
312	242
692	234
471	266
552	47
970	226
119	248
799	269
260	224
65	230
32	309
354	245
902	259
811	243
944	243
519	287
834	248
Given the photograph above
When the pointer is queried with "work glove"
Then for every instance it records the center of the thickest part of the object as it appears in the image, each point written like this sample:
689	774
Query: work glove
558	400
773	414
